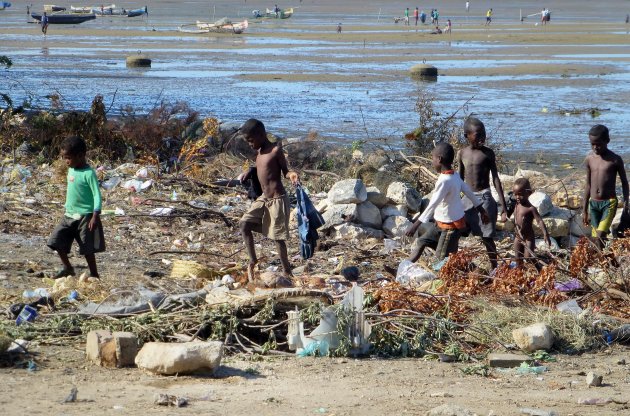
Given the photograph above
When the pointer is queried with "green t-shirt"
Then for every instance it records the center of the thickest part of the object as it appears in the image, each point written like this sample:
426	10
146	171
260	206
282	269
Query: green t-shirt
83	195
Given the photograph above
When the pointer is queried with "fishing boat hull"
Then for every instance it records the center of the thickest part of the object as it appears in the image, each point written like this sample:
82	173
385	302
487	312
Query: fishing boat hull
217	27
65	19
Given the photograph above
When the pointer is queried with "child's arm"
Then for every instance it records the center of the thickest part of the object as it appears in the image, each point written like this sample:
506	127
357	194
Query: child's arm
284	168
436	198
624	184
541	224
461	167
587	194
497	185
96	194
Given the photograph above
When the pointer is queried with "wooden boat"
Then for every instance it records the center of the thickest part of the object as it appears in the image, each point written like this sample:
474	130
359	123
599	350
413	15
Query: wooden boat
50	8
4	5
270	14
59	18
224	25
113	11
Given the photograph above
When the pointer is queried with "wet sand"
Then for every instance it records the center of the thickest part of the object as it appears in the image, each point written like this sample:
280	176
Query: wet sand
299	75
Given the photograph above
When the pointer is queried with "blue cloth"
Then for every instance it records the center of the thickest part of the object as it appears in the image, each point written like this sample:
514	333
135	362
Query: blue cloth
309	220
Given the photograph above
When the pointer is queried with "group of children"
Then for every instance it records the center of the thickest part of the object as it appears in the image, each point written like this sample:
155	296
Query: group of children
446	217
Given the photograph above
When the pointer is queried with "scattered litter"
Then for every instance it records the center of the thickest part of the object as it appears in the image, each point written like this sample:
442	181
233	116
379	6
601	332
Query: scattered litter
162	399
72	397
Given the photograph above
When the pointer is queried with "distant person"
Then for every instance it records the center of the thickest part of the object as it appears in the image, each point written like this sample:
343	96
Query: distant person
524	215
416	15
543	16
467	7
269	214
28	11
44	23
423	17
449	26
627	18
339	28
446	205
432	16
407	16
81	220
436	31
436	15
600	197
488	17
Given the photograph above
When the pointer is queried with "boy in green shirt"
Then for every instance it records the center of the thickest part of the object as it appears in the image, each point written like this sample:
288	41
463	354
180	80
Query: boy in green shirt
81	221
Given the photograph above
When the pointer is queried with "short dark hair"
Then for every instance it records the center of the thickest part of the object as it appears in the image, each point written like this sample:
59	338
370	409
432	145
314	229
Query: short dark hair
446	151
523	183
253	127
74	145
600	131
472	122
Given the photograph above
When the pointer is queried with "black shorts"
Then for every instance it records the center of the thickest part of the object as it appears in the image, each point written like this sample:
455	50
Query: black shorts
69	229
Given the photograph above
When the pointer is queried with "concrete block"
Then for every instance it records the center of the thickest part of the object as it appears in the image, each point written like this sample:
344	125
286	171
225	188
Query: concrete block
506	360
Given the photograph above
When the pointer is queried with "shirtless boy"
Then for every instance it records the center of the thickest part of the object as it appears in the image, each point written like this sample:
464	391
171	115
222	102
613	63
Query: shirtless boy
476	164
269	214
600	198
524	215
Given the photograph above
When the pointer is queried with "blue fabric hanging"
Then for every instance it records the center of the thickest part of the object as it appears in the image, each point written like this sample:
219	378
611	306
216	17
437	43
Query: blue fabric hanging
309	220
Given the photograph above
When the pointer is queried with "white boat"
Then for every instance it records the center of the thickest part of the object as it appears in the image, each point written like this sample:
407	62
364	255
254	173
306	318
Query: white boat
224	25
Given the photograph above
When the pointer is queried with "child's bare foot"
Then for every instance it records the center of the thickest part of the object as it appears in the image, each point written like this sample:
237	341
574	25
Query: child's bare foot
64	273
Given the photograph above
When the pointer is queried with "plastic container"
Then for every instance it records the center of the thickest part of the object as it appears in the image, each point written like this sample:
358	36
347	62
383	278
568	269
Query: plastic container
37	293
620	335
27	314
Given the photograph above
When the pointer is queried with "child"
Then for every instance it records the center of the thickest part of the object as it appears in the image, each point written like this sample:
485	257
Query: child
477	163
524	215
81	221
269	214
446	205
600	198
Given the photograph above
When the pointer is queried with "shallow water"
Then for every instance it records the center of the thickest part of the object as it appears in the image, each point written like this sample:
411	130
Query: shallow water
343	89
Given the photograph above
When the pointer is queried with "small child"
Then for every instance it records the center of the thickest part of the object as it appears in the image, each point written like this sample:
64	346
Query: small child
269	214
81	221
446	205
524	215
600	197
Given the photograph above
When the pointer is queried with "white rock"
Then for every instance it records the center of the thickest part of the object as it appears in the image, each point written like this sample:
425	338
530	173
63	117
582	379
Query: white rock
322	205
556	227
538	336
376	197
396	226
542	202
356	232
593	380
180	358
348	191
368	214
339	213
449	410
393	211
403	194
542	245
524	173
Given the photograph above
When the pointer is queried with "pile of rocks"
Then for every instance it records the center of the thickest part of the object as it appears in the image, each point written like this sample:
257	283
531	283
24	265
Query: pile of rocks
352	211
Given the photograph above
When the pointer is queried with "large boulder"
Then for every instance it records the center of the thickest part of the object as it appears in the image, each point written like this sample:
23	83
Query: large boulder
403	194
376	197
535	337
339	213
180	358
368	214
348	191
556	227
393	211
542	202
356	232
396	226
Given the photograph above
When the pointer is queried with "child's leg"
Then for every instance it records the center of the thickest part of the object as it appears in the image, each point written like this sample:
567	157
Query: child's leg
67	267
248	240
491	248
448	243
429	238
281	245
61	240
519	249
91	261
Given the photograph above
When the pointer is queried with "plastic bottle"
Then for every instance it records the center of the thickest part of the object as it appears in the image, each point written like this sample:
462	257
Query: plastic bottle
37	293
620	335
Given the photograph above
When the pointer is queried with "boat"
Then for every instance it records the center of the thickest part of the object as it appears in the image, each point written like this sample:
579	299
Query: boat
50	8
4	5
223	25
271	14
60	18
81	9
113	11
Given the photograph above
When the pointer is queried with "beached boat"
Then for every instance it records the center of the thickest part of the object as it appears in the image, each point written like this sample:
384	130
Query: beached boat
4	5
113	11
60	18
224	25
50	8
271	14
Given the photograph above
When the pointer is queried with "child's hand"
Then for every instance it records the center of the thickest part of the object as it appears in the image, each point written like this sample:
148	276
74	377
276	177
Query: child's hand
94	221
585	218
411	230
293	177
504	217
